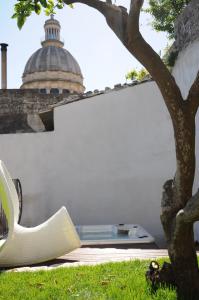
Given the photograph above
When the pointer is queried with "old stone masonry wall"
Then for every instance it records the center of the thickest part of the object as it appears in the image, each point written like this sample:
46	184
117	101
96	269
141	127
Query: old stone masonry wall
20	109
187	26
17	101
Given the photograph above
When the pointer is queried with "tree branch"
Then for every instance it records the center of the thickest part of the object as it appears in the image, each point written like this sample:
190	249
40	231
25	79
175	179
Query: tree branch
97	4
190	213
126	27
151	60
116	16
168	201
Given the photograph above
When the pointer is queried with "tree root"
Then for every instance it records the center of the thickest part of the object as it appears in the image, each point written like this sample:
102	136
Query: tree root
160	277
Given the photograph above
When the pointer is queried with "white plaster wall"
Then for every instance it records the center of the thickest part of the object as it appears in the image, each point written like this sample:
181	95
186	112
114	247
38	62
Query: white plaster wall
106	161
186	68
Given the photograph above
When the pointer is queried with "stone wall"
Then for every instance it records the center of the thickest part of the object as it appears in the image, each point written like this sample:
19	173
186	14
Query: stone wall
20	109
17	101
14	124
187	26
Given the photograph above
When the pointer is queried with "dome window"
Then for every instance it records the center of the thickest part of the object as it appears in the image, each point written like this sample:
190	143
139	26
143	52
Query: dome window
54	91
65	91
43	91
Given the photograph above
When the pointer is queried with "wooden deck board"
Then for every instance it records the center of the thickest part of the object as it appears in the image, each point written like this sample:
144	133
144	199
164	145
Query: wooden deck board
112	254
94	256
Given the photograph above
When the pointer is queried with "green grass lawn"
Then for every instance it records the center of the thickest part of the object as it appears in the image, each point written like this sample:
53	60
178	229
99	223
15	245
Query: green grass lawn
123	281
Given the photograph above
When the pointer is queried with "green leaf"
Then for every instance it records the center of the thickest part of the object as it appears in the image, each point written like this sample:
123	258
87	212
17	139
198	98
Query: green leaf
14	16
51	2
43	3
49	12
37	8
20	21
59	6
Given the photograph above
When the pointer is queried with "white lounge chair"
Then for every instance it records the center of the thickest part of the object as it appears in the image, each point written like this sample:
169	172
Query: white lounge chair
24	246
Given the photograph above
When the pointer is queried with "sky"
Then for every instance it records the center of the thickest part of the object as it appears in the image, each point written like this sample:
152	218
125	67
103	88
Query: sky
103	59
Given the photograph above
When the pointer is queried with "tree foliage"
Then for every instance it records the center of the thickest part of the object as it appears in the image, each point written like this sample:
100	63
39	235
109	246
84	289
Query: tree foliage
137	74
164	13
24	8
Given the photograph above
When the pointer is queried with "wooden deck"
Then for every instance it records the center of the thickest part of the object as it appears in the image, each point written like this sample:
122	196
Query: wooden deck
93	256
102	255
98	255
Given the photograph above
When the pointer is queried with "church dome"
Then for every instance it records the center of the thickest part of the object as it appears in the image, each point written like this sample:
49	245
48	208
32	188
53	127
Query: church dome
52	58
52	66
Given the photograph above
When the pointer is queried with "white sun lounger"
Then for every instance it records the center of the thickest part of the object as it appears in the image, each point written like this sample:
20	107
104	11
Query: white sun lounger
24	246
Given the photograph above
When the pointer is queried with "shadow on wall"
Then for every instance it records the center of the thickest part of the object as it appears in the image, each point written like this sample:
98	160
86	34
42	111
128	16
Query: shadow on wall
23	123
48	120
14	124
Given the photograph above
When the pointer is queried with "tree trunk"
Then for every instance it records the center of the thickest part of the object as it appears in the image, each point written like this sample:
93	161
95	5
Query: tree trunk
183	258
177	211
